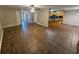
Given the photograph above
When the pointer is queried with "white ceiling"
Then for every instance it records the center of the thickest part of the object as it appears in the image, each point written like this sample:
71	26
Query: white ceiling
55	7
64	7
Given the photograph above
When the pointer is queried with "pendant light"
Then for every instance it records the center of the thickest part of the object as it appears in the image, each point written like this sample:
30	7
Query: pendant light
32	8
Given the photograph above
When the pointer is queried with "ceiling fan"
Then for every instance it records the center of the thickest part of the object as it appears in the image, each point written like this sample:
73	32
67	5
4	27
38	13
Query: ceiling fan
33	8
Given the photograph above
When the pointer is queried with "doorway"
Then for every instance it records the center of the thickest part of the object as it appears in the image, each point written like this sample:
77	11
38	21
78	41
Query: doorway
26	19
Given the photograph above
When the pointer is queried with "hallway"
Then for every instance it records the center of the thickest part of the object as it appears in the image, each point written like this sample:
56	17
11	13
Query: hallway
38	39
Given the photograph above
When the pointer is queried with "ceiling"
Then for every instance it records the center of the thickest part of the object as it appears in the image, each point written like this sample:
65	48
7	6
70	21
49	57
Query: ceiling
55	7
62	7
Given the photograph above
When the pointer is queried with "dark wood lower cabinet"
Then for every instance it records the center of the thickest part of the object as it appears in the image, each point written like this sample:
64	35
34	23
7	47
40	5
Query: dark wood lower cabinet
54	24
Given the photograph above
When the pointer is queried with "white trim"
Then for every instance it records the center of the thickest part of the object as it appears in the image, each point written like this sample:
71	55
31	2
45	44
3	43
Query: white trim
42	24
10	25
71	24
1	40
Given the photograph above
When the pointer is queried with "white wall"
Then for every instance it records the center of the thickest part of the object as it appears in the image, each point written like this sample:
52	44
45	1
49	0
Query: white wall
10	17
18	16
34	17
42	17
71	17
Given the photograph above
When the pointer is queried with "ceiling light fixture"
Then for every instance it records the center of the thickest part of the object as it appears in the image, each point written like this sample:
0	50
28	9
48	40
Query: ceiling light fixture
32	10
51	10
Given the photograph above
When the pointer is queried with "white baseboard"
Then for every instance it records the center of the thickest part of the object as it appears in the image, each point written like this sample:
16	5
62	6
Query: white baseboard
11	25
1	37
70	24
42	24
